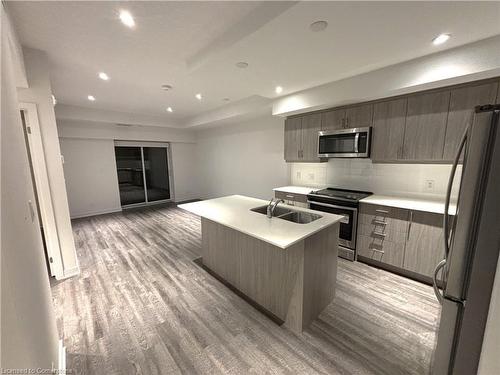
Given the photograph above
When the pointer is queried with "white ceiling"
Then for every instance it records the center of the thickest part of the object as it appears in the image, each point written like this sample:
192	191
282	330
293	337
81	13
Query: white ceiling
194	47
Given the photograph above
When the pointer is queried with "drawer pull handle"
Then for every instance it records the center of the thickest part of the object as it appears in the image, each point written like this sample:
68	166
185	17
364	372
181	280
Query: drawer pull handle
381	211
377	250
379	234
379	222
290	196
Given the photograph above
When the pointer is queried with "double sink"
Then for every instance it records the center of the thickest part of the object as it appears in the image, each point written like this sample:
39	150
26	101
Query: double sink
298	217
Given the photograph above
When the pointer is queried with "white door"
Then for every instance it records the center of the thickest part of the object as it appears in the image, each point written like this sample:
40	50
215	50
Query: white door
34	145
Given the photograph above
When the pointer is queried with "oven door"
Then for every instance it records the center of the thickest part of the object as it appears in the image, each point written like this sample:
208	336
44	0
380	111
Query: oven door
348	225
345	143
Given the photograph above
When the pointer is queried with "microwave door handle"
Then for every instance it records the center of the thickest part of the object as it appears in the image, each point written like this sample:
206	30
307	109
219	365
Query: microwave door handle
356	143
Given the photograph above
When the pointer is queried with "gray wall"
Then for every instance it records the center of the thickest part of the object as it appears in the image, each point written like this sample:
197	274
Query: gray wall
243	158
90	166
29	336
91	178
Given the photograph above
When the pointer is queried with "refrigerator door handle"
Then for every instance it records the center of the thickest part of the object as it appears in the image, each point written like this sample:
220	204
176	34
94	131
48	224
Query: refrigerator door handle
438	294
446	218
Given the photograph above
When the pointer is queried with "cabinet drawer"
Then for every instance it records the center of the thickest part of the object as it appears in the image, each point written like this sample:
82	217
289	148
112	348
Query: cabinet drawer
290	196
381	249
385	222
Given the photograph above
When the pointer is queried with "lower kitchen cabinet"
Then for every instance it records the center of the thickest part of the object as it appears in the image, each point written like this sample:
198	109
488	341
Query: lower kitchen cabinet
424	245
406	240
382	233
381	250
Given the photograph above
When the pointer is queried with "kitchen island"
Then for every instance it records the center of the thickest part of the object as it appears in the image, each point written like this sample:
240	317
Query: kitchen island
288	268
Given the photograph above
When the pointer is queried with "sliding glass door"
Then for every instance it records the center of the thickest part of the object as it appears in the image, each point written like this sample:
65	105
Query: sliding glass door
143	172
130	175
156	170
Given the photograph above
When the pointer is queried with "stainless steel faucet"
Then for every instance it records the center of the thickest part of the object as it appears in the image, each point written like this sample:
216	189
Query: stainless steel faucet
272	206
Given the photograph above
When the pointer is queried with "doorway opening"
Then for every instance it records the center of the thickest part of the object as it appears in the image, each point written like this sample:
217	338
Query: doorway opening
144	173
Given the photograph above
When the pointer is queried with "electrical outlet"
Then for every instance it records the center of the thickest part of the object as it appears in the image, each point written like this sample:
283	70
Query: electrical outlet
429	185
299	175
310	176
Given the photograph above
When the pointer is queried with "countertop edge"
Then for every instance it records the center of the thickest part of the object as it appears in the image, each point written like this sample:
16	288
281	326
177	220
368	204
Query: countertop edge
268	241
282	245
411	204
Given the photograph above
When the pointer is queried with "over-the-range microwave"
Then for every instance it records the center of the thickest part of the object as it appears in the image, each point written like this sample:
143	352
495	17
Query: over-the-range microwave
345	143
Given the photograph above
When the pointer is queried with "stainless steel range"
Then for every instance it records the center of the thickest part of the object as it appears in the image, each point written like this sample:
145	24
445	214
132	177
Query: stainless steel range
341	202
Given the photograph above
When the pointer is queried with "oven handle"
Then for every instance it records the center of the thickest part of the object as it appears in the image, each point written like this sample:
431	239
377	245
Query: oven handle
332	205
352	242
356	143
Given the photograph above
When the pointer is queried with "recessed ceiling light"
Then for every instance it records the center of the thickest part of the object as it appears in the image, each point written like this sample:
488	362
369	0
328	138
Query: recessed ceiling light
242	65
440	39
198	96
103	76
166	87
91	98
278	89
127	18
318	26
169	109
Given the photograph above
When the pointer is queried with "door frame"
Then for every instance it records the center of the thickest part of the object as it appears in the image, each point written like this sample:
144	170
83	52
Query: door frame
41	186
142	144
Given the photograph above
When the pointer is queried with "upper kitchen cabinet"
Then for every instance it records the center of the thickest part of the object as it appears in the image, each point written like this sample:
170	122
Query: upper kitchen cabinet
359	116
389	119
462	103
301	138
293	138
333	120
425	126
311	125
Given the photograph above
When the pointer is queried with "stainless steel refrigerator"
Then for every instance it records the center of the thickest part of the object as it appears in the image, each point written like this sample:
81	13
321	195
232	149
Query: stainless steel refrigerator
472	242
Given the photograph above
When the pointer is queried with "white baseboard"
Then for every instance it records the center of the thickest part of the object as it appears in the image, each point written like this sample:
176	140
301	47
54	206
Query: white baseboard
95	213
61	366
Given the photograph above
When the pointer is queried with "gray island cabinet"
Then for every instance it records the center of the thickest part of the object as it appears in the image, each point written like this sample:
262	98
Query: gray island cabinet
288	269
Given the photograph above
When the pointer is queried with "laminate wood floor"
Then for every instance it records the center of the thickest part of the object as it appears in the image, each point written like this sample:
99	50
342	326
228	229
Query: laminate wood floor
142	306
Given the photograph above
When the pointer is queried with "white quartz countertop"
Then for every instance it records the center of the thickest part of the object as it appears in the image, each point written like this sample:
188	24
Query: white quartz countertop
418	204
234	212
296	189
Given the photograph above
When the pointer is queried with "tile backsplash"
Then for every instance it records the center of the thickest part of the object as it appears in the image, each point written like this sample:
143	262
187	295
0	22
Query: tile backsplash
422	180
